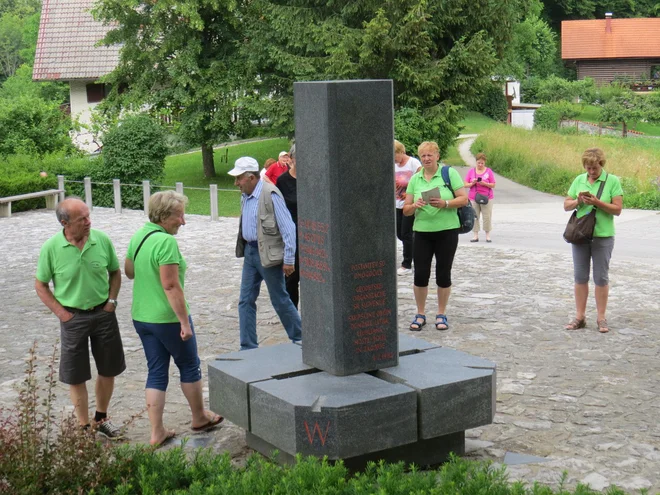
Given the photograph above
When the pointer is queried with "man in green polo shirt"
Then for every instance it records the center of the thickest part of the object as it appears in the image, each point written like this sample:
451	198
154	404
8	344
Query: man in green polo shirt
84	269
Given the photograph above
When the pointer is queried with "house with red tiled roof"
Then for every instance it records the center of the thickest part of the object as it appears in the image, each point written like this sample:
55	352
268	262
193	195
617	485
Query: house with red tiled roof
67	51
606	48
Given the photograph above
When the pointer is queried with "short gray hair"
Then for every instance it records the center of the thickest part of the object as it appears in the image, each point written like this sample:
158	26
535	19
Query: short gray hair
163	203
292	151
62	213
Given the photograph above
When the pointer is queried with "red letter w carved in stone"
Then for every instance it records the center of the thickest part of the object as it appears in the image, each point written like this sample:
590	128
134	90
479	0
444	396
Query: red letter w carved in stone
317	429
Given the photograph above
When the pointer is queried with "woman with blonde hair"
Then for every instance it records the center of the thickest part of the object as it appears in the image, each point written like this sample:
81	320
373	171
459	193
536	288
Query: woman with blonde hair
161	314
436	230
584	196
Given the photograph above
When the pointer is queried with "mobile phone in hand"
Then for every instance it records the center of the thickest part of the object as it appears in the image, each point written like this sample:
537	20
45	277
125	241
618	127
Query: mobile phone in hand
478	179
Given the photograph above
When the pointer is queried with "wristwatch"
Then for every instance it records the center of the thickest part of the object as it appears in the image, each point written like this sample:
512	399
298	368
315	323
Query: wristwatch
113	301
446	204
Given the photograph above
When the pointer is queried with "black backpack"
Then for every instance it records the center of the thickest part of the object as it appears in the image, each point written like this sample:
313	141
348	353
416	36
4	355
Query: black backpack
466	213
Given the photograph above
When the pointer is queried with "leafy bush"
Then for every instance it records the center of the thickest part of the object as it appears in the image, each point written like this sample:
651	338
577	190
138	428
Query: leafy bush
548	116
494	103
555	89
26	183
38	455
31	125
133	151
412	128
19	174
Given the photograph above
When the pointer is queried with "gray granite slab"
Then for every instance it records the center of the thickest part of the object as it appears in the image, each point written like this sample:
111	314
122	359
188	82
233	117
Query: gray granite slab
422	453
339	417
511	458
412	345
456	391
230	375
346	224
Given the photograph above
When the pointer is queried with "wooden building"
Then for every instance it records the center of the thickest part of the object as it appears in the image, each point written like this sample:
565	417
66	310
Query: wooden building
606	48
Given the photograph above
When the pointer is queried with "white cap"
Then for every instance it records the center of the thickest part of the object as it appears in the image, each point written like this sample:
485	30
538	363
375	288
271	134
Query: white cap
244	164
282	153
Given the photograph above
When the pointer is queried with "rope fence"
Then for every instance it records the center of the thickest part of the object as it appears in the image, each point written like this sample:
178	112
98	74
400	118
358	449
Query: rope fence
146	192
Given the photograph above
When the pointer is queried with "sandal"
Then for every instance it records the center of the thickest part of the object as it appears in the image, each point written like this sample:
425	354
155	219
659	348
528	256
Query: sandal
441	320
602	326
576	324
418	323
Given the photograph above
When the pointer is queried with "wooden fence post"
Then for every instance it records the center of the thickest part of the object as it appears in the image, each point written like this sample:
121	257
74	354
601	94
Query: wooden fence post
88	192
116	186
146	194
214	202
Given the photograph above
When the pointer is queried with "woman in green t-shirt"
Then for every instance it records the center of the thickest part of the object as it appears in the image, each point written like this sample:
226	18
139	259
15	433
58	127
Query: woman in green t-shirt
583	196
161	316
435	230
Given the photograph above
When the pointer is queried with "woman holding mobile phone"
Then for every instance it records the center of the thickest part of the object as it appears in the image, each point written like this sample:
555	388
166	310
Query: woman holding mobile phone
583	196
481	182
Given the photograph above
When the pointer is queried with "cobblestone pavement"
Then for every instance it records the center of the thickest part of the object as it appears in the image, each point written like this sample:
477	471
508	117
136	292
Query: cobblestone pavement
587	402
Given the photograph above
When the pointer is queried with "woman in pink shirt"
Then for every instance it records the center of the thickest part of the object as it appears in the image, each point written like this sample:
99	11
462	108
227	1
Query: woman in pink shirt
481	182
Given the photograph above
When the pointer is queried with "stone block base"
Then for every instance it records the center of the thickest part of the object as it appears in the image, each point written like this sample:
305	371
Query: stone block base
422	453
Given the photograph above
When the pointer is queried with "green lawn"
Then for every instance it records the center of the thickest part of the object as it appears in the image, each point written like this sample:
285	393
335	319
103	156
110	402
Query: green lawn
187	168
591	113
476	123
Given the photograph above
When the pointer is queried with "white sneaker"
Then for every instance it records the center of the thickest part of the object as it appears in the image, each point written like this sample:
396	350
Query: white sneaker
403	270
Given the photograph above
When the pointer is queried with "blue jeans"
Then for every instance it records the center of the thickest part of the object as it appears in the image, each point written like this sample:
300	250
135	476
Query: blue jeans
162	340
253	274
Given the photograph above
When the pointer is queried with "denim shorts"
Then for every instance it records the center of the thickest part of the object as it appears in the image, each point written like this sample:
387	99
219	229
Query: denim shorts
162	341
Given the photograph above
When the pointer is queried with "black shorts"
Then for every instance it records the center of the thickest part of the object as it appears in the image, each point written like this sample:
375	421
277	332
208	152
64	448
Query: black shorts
101	328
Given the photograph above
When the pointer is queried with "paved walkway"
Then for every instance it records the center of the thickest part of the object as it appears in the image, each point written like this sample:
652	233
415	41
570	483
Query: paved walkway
587	402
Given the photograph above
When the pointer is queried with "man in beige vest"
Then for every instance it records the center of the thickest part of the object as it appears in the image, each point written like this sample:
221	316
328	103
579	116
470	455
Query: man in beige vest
267	241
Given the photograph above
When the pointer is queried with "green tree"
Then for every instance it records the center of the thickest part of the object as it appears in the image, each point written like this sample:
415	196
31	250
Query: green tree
178	57
560	10
21	84
628	110
532	51
20	8
11	43
439	54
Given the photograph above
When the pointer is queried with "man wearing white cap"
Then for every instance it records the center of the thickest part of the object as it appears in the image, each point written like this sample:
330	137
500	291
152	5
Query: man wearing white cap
267	241
278	168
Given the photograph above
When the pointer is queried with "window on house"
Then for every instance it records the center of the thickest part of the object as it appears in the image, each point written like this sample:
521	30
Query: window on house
96	92
655	72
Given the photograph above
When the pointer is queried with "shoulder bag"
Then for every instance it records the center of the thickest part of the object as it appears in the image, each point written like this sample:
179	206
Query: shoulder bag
581	230
466	213
479	198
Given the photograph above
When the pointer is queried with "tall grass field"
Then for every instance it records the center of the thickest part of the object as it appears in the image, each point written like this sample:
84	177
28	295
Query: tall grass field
548	161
